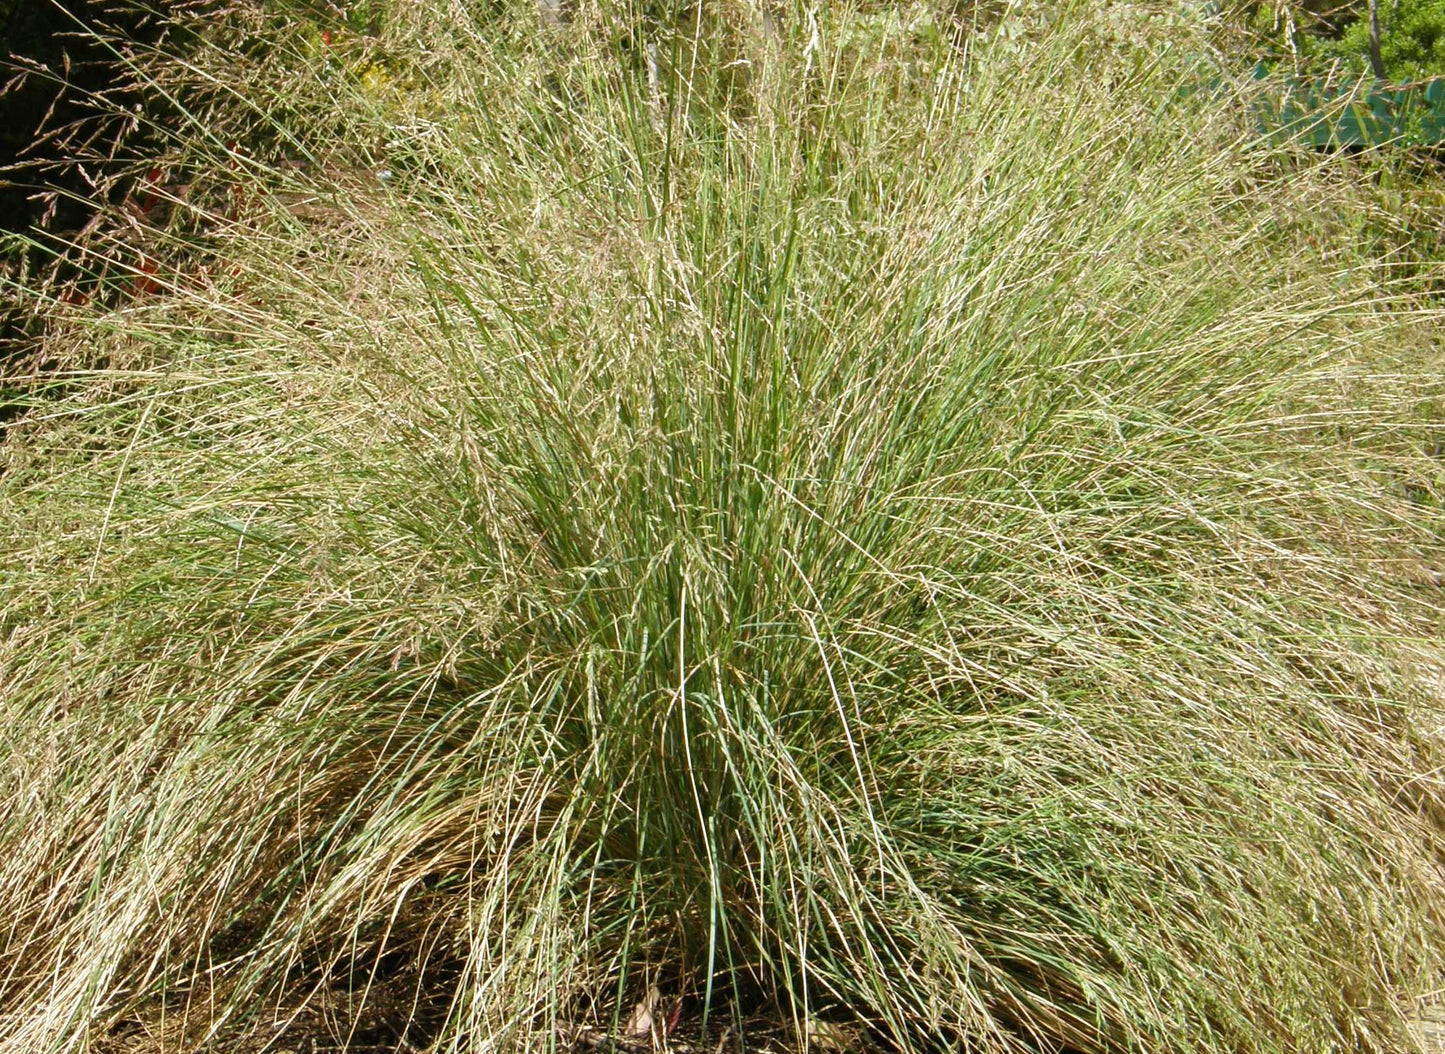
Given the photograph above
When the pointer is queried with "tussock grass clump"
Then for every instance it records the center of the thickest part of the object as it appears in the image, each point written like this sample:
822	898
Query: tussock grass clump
943	538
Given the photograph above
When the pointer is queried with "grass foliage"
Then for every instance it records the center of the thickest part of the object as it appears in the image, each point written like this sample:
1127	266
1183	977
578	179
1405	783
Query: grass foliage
937	533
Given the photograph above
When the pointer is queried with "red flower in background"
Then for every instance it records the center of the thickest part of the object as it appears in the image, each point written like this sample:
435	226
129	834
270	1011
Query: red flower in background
145	285
153	180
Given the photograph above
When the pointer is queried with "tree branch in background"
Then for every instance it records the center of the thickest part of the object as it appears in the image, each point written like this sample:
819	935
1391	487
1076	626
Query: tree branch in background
1377	64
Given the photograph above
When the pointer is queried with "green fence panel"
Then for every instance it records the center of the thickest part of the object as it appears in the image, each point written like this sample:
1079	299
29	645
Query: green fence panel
1357	114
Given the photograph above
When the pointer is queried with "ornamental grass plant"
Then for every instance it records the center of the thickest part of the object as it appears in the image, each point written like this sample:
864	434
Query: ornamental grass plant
930	540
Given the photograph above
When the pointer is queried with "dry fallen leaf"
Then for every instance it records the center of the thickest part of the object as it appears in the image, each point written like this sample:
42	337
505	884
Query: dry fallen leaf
644	1015
670	1025
828	1037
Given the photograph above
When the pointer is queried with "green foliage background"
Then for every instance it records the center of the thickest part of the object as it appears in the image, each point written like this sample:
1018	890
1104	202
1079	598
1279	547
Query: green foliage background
1412	36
